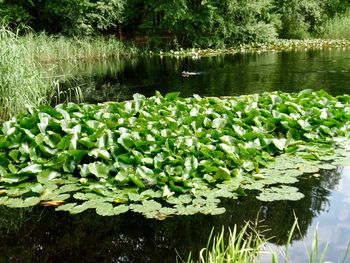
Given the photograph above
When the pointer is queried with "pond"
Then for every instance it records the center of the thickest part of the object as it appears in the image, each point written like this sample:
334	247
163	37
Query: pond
43	235
214	76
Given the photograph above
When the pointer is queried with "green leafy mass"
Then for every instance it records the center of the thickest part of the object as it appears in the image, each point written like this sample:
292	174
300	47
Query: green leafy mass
164	156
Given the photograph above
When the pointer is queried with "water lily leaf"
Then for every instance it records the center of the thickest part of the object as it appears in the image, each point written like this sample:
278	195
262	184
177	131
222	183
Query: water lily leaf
137	181
47	175
66	207
219	123
327	166
126	140
136	197
13	178
68	188
105	209
280	143
16	192
223	174
99	169
80	196
218	211
150	193
31	201
342	162
280	193
15	203
3	200
305	168
172	96
191	210
120	209
37	188
100	153
166	192
32	169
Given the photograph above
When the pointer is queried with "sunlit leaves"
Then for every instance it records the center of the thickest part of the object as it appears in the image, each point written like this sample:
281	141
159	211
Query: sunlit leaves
164	156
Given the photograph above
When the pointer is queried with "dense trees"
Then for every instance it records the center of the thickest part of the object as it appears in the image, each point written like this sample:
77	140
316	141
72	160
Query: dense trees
207	23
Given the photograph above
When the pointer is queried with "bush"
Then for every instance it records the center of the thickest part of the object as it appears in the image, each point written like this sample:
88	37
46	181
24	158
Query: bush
337	27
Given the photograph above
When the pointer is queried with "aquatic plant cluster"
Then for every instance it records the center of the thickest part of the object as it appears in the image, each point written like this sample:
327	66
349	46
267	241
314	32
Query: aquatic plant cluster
169	155
273	45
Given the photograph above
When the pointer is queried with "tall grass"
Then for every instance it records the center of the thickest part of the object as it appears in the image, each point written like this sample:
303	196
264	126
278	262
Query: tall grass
24	80
338	27
48	48
248	244
21	82
241	246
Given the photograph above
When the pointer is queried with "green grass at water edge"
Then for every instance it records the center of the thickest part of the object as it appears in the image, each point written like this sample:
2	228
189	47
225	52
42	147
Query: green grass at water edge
337	28
27	79
21	81
249	244
48	49
241	246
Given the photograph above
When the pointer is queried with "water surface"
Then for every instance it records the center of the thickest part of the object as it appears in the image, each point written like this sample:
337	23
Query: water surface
42	235
224	75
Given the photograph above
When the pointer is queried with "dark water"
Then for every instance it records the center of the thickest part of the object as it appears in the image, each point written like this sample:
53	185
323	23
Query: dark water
218	76
43	235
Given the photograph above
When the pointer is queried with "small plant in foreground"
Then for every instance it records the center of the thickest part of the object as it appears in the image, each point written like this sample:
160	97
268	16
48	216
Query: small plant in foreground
248	244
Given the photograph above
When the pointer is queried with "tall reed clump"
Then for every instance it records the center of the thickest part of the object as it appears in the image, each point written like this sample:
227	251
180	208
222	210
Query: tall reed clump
338	27
21	81
48	48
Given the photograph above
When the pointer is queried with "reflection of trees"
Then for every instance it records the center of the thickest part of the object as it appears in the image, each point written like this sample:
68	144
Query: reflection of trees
119	78
98	80
48	236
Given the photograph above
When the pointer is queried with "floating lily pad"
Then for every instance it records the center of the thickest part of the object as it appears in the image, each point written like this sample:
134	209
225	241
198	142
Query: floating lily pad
280	193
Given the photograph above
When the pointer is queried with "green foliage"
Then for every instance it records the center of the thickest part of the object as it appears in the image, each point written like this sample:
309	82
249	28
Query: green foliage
15	15
174	23
82	17
210	23
337	27
248	244
169	155
241	246
299	17
20	80
24	81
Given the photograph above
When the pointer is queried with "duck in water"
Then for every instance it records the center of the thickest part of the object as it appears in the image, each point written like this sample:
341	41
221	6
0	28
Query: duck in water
190	73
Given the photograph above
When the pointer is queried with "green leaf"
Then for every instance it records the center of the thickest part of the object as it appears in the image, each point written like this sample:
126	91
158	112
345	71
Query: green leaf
223	174
172	96
120	209
105	209
280	143
47	175
32	169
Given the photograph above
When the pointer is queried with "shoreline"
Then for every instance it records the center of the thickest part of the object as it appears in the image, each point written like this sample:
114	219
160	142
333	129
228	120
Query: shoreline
273	46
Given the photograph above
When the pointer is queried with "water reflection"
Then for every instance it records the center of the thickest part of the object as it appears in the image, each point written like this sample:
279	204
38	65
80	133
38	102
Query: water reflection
219	76
42	235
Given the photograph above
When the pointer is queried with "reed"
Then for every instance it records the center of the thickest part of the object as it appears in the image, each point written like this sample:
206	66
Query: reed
337	28
54	48
27	63
241	246
249	244
21	81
